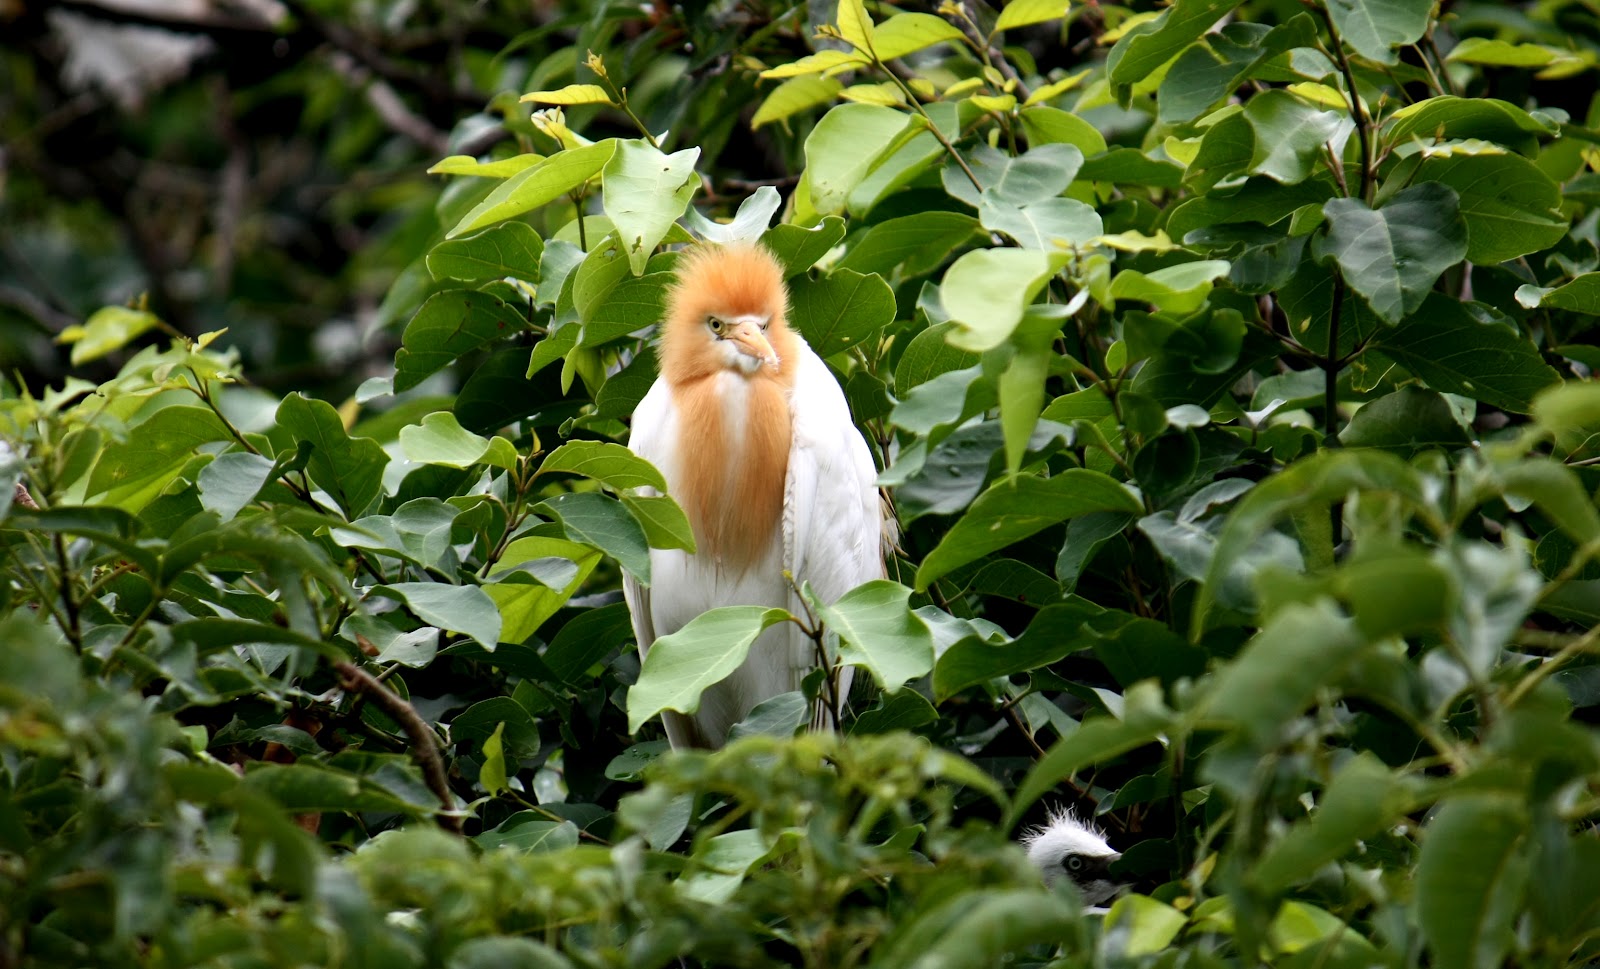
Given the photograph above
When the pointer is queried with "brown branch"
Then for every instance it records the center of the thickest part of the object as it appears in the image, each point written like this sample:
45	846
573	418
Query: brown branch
424	746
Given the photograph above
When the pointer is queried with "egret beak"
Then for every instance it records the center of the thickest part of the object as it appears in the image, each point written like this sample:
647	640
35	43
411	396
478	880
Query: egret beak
747	335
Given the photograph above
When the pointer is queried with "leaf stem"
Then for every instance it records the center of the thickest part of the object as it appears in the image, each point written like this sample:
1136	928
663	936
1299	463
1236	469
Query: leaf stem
1358	113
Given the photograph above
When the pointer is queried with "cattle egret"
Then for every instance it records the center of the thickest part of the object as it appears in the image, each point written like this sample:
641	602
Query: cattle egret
755	440
1068	848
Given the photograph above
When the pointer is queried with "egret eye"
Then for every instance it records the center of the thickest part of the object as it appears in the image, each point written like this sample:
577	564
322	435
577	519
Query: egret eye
1074	863
714	323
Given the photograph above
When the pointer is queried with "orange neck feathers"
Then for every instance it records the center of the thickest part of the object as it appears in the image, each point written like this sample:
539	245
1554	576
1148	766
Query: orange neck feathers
734	422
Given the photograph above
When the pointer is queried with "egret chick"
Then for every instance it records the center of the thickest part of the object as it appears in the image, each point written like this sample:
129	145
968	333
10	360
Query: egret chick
1068	848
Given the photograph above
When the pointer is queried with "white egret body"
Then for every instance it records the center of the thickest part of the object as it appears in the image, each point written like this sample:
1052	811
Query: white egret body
755	440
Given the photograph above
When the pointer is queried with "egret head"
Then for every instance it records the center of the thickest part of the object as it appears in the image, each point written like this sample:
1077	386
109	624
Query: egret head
727	311
1068	848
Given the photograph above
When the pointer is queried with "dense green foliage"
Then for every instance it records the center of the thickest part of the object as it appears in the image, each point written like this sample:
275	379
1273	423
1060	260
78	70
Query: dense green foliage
1228	363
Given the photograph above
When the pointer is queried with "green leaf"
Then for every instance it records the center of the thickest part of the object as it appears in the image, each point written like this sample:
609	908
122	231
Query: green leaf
516	952
610	464
1291	135
846	145
109	329
1375	27
1143	925
1457	353
509	249
679	667
1407	421
1141	52
570	95
793	96
799	248
907	33
441	440
467	165
918	242
1054	633
879	633
1050	224
1470	879
1052	126
1014	508
1450	118
232	481
537	185
1040	173
1178	290
748	224
1511	208
586	639
130	473
645	193
840	310
1363	799
1227	152
601	521
981	929
451	324
664	523
952	475
1314	482
492	775
1023	13
1300	650
1145	718
348	468
1393	256
928	355
1581	295
465	609
986	290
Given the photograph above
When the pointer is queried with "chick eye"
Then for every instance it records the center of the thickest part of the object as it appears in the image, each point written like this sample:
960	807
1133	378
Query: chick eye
714	323
1074	863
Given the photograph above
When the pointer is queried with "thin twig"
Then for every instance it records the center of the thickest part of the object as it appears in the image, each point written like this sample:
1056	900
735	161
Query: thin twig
424	746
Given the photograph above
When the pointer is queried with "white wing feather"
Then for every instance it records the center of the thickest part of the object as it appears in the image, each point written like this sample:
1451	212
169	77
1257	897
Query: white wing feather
832	518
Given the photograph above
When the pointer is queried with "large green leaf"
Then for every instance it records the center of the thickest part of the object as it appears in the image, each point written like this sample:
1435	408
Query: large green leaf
1393	255
1363	799
610	464
1141	52
1511	208
846	145
1457	352
537	185
603	522
679	667
1300	650
840	310
986	290
451	324
464	609
508	249
348	468
130	473
645	193
1375	27
1292	135
919	242
879	633
1471	877
1016	507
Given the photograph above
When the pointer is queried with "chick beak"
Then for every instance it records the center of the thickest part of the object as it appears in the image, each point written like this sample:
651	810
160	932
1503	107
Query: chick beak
747	335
